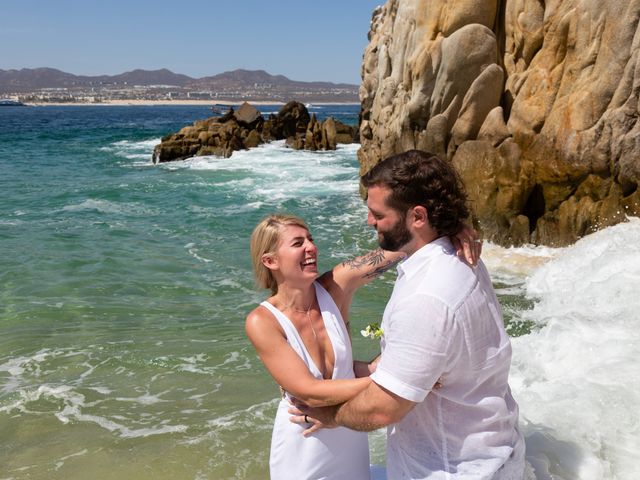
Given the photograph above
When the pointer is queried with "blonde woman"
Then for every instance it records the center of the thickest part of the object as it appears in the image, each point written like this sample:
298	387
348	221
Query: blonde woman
301	335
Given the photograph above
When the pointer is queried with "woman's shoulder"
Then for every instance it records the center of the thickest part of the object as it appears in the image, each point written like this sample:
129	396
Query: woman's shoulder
261	320
259	313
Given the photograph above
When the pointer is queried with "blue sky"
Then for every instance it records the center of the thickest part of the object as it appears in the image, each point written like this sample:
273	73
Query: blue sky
301	39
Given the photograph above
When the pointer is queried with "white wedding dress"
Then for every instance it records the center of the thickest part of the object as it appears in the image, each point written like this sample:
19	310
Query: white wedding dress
331	454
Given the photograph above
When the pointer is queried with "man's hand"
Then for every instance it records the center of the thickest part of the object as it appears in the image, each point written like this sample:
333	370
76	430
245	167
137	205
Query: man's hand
468	245
313	418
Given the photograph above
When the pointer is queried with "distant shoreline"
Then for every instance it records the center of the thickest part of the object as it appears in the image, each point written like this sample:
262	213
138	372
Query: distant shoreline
170	102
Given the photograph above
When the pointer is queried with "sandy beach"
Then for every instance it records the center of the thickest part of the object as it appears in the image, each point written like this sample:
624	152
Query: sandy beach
173	102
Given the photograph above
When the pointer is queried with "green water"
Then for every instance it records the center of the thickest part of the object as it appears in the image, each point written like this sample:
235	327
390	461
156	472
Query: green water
124	286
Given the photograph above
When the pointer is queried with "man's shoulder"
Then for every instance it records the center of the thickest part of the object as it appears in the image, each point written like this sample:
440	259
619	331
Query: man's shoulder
448	279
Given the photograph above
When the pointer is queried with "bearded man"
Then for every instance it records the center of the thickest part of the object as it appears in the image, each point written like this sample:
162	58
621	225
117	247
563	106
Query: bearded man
441	385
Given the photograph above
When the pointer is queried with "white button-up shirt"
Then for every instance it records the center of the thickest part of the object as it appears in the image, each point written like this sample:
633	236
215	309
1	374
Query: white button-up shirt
443	323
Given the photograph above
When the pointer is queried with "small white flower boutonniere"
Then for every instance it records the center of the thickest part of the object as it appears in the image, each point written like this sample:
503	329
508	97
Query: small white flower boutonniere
373	331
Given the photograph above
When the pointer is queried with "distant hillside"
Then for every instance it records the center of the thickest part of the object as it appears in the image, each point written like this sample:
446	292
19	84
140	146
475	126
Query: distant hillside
28	80
248	78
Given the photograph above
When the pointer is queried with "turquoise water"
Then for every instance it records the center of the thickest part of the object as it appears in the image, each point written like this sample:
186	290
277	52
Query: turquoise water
124	286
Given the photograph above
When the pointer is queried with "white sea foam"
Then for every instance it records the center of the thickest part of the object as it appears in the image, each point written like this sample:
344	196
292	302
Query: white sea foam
10	223
146	399
193	251
68	405
576	377
259	416
273	172
16	366
60	462
134	150
512	265
108	207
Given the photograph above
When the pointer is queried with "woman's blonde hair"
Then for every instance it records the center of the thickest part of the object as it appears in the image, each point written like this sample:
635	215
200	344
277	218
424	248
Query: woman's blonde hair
264	240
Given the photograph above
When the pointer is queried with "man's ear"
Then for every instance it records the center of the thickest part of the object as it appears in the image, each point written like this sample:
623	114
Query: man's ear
419	216
270	261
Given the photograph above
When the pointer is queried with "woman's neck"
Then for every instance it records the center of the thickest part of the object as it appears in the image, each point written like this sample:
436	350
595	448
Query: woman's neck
295	298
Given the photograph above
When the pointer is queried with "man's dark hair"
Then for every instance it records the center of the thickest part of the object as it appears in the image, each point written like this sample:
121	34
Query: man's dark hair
421	178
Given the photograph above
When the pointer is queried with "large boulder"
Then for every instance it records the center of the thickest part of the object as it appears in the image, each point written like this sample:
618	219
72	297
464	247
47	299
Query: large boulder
535	103
292	119
219	136
248	115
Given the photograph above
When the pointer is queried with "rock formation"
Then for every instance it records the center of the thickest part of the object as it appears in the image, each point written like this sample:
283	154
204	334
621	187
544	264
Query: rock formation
247	128
534	101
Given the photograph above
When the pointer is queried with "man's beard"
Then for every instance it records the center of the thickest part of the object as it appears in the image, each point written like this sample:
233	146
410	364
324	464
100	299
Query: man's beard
396	238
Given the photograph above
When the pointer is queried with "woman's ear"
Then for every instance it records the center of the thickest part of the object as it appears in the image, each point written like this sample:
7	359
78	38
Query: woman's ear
270	261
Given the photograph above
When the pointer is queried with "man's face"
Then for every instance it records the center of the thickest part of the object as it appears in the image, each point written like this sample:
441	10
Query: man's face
390	224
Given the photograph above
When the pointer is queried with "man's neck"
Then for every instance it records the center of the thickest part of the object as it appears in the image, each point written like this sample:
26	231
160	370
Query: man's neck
419	240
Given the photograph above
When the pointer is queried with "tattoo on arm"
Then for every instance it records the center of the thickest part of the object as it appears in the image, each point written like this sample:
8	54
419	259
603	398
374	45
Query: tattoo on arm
373	264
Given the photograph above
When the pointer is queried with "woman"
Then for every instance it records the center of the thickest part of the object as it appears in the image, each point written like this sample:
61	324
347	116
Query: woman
301	335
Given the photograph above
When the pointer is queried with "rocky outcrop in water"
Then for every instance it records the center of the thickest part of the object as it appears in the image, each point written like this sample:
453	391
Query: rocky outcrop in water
247	128
535	102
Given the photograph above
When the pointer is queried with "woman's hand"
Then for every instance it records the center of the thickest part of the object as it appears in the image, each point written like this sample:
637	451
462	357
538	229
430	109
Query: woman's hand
312	424
373	364
468	245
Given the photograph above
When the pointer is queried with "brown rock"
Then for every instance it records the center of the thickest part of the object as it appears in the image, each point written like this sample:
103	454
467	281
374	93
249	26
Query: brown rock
291	119
494	129
247	114
536	103
252	140
329	133
246	128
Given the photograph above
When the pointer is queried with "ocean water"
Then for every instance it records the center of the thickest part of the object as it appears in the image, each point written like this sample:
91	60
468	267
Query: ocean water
124	286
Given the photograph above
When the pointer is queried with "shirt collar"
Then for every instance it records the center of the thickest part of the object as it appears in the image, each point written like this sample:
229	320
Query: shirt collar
423	255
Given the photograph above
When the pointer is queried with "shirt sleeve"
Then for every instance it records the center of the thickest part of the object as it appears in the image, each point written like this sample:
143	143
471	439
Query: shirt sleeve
417	334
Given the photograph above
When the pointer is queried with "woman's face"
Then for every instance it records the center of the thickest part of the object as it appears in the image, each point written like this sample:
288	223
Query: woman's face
296	254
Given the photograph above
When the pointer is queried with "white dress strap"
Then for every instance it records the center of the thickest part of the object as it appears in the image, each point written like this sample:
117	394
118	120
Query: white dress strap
294	339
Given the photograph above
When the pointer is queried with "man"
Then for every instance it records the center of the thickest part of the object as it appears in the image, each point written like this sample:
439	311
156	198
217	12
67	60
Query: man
441	325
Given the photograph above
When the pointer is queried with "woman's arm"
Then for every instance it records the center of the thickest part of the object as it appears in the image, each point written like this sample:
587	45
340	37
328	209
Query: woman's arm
345	278
288	369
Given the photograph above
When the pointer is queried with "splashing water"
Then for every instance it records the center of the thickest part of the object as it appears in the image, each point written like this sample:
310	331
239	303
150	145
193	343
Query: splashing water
576	376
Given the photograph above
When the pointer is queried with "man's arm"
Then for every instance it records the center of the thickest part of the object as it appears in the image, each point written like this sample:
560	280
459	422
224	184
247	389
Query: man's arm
415	358
374	407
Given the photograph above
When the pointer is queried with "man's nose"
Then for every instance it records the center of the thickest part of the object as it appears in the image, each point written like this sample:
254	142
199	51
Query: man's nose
370	220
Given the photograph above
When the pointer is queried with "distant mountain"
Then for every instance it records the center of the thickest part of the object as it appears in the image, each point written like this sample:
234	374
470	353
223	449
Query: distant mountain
248	78
32	79
29	80
151	77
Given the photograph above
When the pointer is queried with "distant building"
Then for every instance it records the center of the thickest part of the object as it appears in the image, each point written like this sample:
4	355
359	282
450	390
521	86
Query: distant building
199	95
